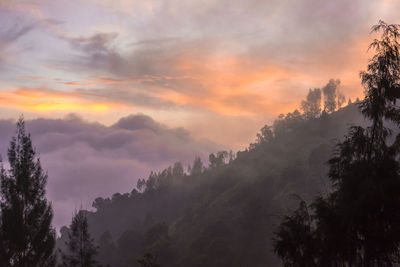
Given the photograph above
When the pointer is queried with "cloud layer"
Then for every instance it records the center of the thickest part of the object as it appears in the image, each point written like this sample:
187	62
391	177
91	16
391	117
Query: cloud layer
86	160
227	57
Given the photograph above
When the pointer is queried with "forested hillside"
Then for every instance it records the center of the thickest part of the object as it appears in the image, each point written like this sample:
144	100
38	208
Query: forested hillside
224	212
159	133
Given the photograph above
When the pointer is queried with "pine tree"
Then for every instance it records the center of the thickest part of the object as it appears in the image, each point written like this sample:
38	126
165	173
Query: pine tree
27	237
81	248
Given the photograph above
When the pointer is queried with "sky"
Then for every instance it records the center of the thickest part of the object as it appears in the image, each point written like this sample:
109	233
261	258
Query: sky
206	74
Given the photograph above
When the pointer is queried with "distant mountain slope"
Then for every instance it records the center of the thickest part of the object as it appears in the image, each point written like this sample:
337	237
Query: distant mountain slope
85	159
225	214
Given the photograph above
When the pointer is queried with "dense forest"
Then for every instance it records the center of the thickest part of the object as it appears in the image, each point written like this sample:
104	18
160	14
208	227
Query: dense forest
297	195
224	212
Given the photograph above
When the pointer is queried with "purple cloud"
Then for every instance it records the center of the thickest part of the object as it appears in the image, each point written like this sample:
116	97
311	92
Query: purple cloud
86	160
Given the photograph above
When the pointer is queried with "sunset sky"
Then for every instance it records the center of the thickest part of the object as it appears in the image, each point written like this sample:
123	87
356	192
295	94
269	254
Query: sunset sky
212	71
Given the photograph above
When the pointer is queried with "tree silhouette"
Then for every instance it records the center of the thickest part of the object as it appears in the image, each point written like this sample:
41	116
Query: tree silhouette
357	224
330	91
157	242
296	243
107	251
81	247
27	237
148	261
177	170
312	105
197	167
217	160
341	100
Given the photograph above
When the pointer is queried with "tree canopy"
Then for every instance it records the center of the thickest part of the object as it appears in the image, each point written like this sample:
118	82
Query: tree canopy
81	249
357	222
27	237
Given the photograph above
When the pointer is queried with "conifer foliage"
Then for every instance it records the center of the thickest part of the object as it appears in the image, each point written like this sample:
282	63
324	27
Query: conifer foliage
81	248
358	222
27	237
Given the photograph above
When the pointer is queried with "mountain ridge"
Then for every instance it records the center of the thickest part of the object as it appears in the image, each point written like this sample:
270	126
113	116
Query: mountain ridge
224	215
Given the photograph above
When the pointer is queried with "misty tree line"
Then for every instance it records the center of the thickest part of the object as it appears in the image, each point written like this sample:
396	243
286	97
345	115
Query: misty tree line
357	222
157	180
27	237
311	108
333	99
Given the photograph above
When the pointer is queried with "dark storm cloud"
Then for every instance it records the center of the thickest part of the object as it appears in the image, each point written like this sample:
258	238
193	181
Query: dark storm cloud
85	160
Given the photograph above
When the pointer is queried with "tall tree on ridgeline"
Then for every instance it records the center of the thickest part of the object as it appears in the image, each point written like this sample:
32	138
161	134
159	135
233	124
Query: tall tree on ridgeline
330	92
197	167
341	100
357	224
312	105
177	170
27	237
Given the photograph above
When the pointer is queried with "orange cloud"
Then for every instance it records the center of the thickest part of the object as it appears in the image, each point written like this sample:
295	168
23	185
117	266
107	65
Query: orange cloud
87	83
228	84
47	101
236	86
44	107
31	78
243	85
